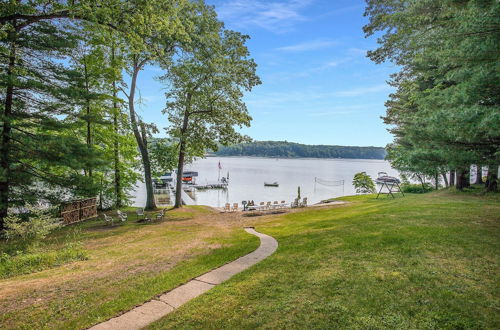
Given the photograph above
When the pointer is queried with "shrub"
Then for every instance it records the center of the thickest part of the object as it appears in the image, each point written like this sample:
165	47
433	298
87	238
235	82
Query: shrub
363	183
36	225
416	188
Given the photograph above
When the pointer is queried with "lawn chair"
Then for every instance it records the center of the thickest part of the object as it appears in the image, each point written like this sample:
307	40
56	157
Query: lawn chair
140	213
268	205
262	206
122	216
282	204
295	203
159	216
109	220
227	207
235	207
275	205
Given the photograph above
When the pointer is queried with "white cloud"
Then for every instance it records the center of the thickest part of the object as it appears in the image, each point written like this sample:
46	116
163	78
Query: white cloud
309	45
363	90
275	16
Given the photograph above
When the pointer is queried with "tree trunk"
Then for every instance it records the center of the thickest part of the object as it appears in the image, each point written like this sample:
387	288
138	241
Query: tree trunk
445	179
452	178
180	163
479	174
6	131
436	181
180	171
89	130
463	179
492	178
116	145
150	201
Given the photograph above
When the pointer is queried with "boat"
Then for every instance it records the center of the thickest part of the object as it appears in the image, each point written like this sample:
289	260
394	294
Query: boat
271	184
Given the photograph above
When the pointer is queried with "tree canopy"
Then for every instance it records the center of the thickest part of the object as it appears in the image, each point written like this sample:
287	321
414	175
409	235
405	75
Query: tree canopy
444	114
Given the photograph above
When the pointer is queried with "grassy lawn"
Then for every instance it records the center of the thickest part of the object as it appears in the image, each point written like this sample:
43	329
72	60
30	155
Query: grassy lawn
425	261
125	265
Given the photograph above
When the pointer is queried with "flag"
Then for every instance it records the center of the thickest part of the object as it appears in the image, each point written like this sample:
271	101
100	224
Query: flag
220	167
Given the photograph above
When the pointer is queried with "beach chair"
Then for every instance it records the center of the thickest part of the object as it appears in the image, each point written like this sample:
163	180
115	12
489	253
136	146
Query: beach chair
159	216
140	212
227	207
122	216
109	220
235	207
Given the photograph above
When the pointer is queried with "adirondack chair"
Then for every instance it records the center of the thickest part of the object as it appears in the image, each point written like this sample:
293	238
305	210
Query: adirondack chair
122	216
227	207
235	207
295	203
276	205
159	216
109	220
140	213
304	202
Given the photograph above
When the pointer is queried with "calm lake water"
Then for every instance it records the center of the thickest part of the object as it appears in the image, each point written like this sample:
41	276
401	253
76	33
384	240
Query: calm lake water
248	174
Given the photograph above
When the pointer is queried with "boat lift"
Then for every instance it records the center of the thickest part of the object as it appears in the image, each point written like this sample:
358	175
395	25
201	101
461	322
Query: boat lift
390	182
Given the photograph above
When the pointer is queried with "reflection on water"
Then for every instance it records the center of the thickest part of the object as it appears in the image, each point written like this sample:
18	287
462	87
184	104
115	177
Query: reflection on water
247	176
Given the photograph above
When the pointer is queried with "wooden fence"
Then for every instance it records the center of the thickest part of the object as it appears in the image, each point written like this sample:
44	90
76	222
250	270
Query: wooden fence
79	210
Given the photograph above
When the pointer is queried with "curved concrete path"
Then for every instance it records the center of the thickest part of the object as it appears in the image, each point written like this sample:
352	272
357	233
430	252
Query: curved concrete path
155	309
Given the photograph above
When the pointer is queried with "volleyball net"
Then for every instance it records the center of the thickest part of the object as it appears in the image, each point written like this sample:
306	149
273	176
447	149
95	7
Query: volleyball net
329	183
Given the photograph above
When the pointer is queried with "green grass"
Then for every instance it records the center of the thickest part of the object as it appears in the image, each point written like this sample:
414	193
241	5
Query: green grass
128	264
420	262
35	261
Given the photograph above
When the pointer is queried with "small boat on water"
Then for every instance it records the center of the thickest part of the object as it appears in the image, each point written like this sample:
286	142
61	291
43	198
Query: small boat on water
271	184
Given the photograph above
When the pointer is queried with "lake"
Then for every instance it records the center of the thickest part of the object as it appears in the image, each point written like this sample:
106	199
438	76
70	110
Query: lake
248	174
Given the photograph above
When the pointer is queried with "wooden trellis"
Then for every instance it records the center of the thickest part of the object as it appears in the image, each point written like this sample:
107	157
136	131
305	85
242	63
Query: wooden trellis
79	210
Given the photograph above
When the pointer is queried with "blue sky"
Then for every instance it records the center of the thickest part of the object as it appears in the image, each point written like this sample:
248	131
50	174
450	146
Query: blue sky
318	87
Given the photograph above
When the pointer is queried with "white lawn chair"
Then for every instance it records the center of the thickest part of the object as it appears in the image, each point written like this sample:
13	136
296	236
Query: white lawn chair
268	205
109	220
140	212
282	204
227	207
262	206
235	207
276	205
295	203
122	216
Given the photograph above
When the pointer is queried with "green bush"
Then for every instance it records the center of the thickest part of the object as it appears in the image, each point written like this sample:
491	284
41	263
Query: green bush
30	262
363	183
33	226
416	188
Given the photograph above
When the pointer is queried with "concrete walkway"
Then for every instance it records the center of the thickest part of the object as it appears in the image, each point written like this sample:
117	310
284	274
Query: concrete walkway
155	309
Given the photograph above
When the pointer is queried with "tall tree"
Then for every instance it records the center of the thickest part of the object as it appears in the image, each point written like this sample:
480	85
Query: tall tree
447	99
205	101
153	44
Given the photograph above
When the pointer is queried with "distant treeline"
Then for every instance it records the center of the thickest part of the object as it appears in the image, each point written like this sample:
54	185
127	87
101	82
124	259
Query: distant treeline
296	150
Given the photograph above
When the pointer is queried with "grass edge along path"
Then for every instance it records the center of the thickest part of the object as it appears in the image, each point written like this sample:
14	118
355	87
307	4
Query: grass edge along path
423	261
62	314
154	309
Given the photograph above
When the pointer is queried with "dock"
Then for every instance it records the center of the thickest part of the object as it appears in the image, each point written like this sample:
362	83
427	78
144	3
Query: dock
186	200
